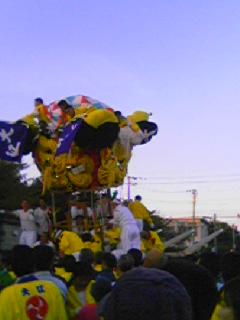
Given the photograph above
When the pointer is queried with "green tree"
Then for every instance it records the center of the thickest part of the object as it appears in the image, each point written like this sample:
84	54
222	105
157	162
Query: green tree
14	187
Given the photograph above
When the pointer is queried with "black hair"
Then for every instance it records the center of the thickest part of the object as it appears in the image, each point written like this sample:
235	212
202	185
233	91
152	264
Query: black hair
86	237
117	113
87	255
84	270
64	104
231	291
125	262
69	263
100	289
43	257
39	100
138	197
230	266
199	283
22	260
137	256
210	261
110	260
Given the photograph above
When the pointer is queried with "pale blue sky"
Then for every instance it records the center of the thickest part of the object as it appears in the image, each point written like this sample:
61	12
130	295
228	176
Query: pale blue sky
179	60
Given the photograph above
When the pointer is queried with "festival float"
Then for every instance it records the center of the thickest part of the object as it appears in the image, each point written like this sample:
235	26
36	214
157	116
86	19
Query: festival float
87	151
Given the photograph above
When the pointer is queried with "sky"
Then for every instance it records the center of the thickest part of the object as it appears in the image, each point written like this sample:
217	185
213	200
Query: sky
179	60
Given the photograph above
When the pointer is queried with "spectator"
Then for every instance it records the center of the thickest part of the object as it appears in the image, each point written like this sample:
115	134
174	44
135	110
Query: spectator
199	283
67	269
79	291
137	257
109	263
87	255
211	262
155	259
43	262
145	293
125	263
99	290
231	297
30	298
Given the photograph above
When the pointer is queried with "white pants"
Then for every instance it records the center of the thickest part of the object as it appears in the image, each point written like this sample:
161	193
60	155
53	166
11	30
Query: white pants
28	238
130	238
140	224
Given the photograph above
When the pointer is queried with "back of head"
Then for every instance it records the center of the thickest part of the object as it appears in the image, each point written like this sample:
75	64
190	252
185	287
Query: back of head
231	291
86	237
109	260
69	263
154	259
87	255
100	289
199	283
230	266
137	256
38	100
210	261
63	104
22	260
138	198
43	258
144	293
125	263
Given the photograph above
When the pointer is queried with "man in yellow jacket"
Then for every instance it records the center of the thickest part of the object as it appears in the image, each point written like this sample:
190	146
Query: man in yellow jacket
30	298
70	244
151	240
140	212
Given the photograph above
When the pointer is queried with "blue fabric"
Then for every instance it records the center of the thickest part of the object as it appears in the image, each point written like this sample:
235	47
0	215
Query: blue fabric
67	137
12	140
46	275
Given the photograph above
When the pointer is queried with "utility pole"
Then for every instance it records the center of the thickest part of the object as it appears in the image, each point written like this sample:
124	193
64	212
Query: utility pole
129	187
194	193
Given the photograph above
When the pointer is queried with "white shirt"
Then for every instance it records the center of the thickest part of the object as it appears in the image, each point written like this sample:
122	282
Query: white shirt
41	218
27	219
123	217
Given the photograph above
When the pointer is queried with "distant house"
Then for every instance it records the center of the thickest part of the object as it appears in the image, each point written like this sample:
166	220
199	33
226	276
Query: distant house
181	225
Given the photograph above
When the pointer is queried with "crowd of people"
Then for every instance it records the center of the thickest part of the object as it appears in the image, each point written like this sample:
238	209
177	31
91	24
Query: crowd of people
64	270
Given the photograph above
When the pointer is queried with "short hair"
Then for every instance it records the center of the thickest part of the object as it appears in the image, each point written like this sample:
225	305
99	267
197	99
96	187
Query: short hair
87	255
230	266
64	104
84	270
22	260
138	197
210	261
117	113
69	263
39	100
110	260
125	262
137	256
43	257
86	237
231	291
100	289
